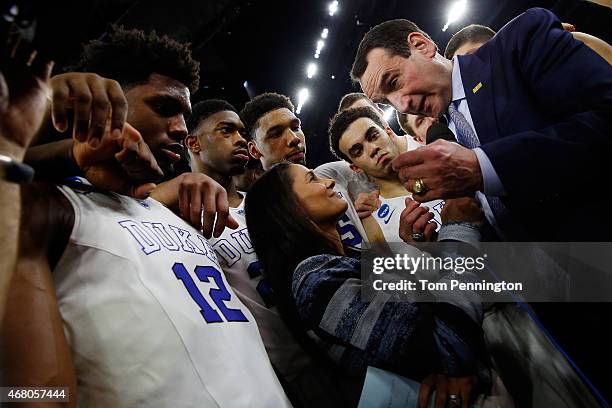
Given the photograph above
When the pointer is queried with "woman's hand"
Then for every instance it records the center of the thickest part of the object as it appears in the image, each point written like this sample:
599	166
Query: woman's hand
451	392
416	219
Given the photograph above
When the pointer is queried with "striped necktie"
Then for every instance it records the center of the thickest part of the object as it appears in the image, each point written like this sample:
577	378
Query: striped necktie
467	137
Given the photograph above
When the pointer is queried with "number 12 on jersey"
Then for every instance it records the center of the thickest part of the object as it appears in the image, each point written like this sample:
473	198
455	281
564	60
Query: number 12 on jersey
219	296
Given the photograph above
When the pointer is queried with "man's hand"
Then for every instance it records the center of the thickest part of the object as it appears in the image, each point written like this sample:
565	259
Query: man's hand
415	218
367	203
90	98
24	88
447	169
122	162
189	194
463	209
461	387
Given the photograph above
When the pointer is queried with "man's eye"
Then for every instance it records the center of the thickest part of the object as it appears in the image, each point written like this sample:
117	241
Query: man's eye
226	130
164	109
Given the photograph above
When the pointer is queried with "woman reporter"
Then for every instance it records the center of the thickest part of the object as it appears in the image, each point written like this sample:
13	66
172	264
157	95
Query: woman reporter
291	217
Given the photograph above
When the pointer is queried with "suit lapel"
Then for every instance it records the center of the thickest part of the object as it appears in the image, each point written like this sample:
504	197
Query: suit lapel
478	87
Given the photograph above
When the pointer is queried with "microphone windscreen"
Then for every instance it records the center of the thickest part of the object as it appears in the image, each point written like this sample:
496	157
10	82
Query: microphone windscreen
439	131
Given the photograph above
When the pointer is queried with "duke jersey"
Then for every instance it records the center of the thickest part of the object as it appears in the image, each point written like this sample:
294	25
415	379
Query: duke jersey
237	257
348	185
150	317
388	215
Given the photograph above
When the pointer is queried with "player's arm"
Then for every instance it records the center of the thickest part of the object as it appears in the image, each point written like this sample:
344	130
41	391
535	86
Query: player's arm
373	231
34	351
190	194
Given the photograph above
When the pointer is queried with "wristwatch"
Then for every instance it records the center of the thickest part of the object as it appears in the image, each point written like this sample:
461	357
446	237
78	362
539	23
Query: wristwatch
13	171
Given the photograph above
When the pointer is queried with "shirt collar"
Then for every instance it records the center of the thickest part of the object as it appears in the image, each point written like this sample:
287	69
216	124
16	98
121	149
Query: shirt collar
458	92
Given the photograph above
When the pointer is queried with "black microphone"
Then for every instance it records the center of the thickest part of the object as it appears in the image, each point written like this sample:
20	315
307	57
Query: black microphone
439	131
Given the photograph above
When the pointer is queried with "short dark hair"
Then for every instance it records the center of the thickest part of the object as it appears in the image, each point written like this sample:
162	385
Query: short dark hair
204	109
391	35
342	120
130	56
350	98
259	106
402	120
472	33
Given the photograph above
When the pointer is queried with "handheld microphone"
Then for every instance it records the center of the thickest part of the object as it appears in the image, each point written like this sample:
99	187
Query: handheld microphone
439	131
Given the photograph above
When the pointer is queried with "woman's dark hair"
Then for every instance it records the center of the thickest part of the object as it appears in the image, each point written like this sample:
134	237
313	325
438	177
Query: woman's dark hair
283	236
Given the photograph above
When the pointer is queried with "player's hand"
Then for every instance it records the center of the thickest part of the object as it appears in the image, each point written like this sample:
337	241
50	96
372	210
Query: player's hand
122	162
447	169
24	87
192	193
367	203
568	27
91	99
461	387
416	218
465	209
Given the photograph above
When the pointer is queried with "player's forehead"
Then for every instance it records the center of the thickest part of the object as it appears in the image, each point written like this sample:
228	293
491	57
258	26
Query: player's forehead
276	117
225	117
356	133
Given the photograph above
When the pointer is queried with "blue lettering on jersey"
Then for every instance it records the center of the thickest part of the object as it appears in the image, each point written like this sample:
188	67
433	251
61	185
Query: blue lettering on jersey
348	232
263	288
154	236
438	207
227	252
219	295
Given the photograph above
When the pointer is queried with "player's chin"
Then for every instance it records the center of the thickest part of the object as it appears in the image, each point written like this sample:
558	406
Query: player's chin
237	169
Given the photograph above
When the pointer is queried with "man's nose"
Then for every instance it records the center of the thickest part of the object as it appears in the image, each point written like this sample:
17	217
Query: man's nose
177	129
292	138
400	103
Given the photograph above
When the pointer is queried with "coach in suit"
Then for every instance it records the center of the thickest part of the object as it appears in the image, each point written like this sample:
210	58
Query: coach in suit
531	109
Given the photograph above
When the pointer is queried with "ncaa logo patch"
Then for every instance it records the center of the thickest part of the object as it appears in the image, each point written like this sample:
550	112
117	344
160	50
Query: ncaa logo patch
383	211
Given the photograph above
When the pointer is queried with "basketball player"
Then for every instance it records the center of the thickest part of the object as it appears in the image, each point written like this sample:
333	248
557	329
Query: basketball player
218	150
146	313
359	136
275	135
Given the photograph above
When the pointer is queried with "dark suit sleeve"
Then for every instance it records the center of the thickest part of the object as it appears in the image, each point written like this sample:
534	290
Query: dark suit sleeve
572	88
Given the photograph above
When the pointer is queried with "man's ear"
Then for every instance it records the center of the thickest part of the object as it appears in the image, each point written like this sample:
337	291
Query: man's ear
420	43
193	144
390	133
253	150
356	169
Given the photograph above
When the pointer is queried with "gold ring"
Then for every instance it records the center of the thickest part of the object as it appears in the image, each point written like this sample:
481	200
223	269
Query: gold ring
419	186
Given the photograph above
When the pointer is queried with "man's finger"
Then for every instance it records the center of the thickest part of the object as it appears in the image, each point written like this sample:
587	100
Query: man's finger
231	223
430	195
118	104
60	94
99	110
407	159
222	213
82	110
184	201
210	210
195	207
